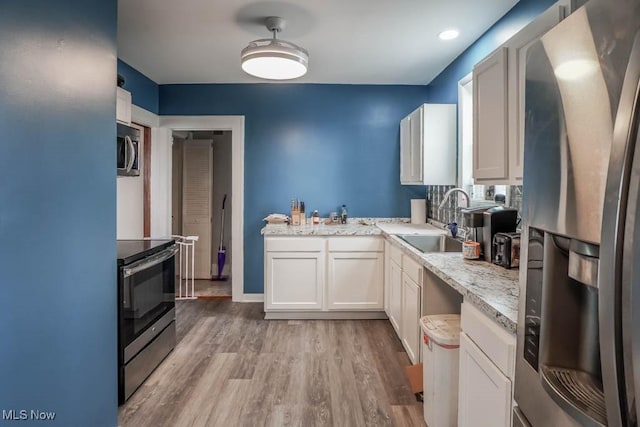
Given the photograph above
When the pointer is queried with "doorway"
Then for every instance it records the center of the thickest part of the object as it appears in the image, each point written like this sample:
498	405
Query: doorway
201	205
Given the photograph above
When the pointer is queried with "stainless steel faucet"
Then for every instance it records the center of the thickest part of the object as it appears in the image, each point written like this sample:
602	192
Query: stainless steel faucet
450	192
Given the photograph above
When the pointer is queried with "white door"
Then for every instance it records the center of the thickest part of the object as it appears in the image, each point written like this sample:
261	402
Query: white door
410	317
196	201
395	296
355	281
490	118
294	280
484	393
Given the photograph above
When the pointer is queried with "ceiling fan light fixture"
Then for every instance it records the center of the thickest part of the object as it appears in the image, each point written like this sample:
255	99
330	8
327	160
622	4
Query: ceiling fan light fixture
274	59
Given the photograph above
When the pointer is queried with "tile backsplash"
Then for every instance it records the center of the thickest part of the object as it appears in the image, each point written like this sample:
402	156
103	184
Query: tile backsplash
450	213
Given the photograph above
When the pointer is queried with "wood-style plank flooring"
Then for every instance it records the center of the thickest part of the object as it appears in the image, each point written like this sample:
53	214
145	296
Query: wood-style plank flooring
233	368
212	288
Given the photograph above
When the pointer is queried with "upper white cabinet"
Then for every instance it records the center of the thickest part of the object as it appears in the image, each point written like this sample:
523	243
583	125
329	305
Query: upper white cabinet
123	106
490	116
428	146
499	103
518	46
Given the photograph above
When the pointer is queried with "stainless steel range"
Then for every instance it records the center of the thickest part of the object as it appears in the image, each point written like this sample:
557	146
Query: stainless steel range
578	353
146	310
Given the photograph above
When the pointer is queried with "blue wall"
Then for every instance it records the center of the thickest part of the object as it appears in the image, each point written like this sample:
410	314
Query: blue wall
57	210
327	144
144	91
444	88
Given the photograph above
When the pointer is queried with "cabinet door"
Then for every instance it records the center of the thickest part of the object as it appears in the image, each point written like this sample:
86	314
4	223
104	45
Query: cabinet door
484	393
355	281
490	118
387	280
405	150
411	298
123	106
417	158
395	296
294	280
518	46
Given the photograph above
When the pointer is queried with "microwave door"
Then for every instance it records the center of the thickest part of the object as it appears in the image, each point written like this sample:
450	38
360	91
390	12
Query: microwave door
132	153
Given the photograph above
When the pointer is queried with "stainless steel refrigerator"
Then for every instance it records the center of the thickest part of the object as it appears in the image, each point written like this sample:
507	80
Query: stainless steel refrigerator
578	352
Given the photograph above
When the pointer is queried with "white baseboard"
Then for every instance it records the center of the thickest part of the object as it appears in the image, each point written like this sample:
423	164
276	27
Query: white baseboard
324	315
249	298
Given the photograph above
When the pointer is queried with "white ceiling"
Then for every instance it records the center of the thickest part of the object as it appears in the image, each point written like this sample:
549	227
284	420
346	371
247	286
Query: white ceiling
349	41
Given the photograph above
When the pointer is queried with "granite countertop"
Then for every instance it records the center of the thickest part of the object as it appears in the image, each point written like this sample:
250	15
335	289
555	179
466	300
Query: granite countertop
491	288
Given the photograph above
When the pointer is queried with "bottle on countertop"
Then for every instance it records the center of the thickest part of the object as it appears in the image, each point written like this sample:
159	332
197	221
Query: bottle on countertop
343	214
316	218
303	214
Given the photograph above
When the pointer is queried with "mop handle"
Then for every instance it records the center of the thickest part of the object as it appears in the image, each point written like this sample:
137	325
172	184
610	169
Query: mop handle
224	200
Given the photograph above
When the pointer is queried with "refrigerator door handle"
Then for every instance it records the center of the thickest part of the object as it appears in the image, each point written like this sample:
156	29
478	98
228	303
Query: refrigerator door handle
616	300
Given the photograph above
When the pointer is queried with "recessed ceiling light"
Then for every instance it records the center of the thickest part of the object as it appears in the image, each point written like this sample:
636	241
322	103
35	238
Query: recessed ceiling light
449	34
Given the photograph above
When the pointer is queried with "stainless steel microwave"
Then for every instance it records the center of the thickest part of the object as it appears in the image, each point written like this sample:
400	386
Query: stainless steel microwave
128	142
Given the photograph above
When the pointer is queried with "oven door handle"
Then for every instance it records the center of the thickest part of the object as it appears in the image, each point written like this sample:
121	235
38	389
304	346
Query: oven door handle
149	262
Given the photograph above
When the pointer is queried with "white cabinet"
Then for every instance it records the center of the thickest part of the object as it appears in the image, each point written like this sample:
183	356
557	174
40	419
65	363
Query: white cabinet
518	45
405	300
294	280
490	113
487	365
499	103
317	274
484	397
123	106
428	146
395	296
355	281
411	299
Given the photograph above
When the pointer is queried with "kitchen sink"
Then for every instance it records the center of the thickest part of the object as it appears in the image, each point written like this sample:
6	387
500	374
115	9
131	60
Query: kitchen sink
441	243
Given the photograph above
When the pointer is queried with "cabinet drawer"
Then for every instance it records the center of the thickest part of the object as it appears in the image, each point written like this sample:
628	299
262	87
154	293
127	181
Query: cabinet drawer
294	244
395	254
356	244
493	340
412	269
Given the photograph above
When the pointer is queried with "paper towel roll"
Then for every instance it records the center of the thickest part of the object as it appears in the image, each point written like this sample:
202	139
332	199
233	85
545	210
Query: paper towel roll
418	211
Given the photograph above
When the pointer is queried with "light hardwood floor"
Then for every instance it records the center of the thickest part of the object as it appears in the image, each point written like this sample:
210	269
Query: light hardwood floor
212	288
233	368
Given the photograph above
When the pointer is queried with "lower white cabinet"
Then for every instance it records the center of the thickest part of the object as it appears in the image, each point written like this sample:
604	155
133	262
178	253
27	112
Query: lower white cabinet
395	296
487	365
306	275
294	280
484	397
355	281
411	299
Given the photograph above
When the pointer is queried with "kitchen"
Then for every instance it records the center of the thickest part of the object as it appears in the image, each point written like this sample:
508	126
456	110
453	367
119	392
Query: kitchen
306	124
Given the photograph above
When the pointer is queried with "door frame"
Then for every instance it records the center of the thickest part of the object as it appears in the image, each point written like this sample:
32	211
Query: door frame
161	135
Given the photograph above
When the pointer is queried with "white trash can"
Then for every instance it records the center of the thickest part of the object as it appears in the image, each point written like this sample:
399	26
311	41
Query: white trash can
440	355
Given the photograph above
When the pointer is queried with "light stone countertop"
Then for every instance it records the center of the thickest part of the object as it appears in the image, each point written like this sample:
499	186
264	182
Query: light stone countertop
491	288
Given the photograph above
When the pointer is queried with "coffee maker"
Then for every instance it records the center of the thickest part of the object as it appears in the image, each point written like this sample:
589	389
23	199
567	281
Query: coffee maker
473	219
497	220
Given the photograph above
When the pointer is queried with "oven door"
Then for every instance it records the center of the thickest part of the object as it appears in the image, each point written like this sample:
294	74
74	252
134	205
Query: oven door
148	293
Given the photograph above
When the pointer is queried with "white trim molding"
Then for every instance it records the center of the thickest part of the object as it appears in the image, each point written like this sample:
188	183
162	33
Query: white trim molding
236	125
144	117
252	298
